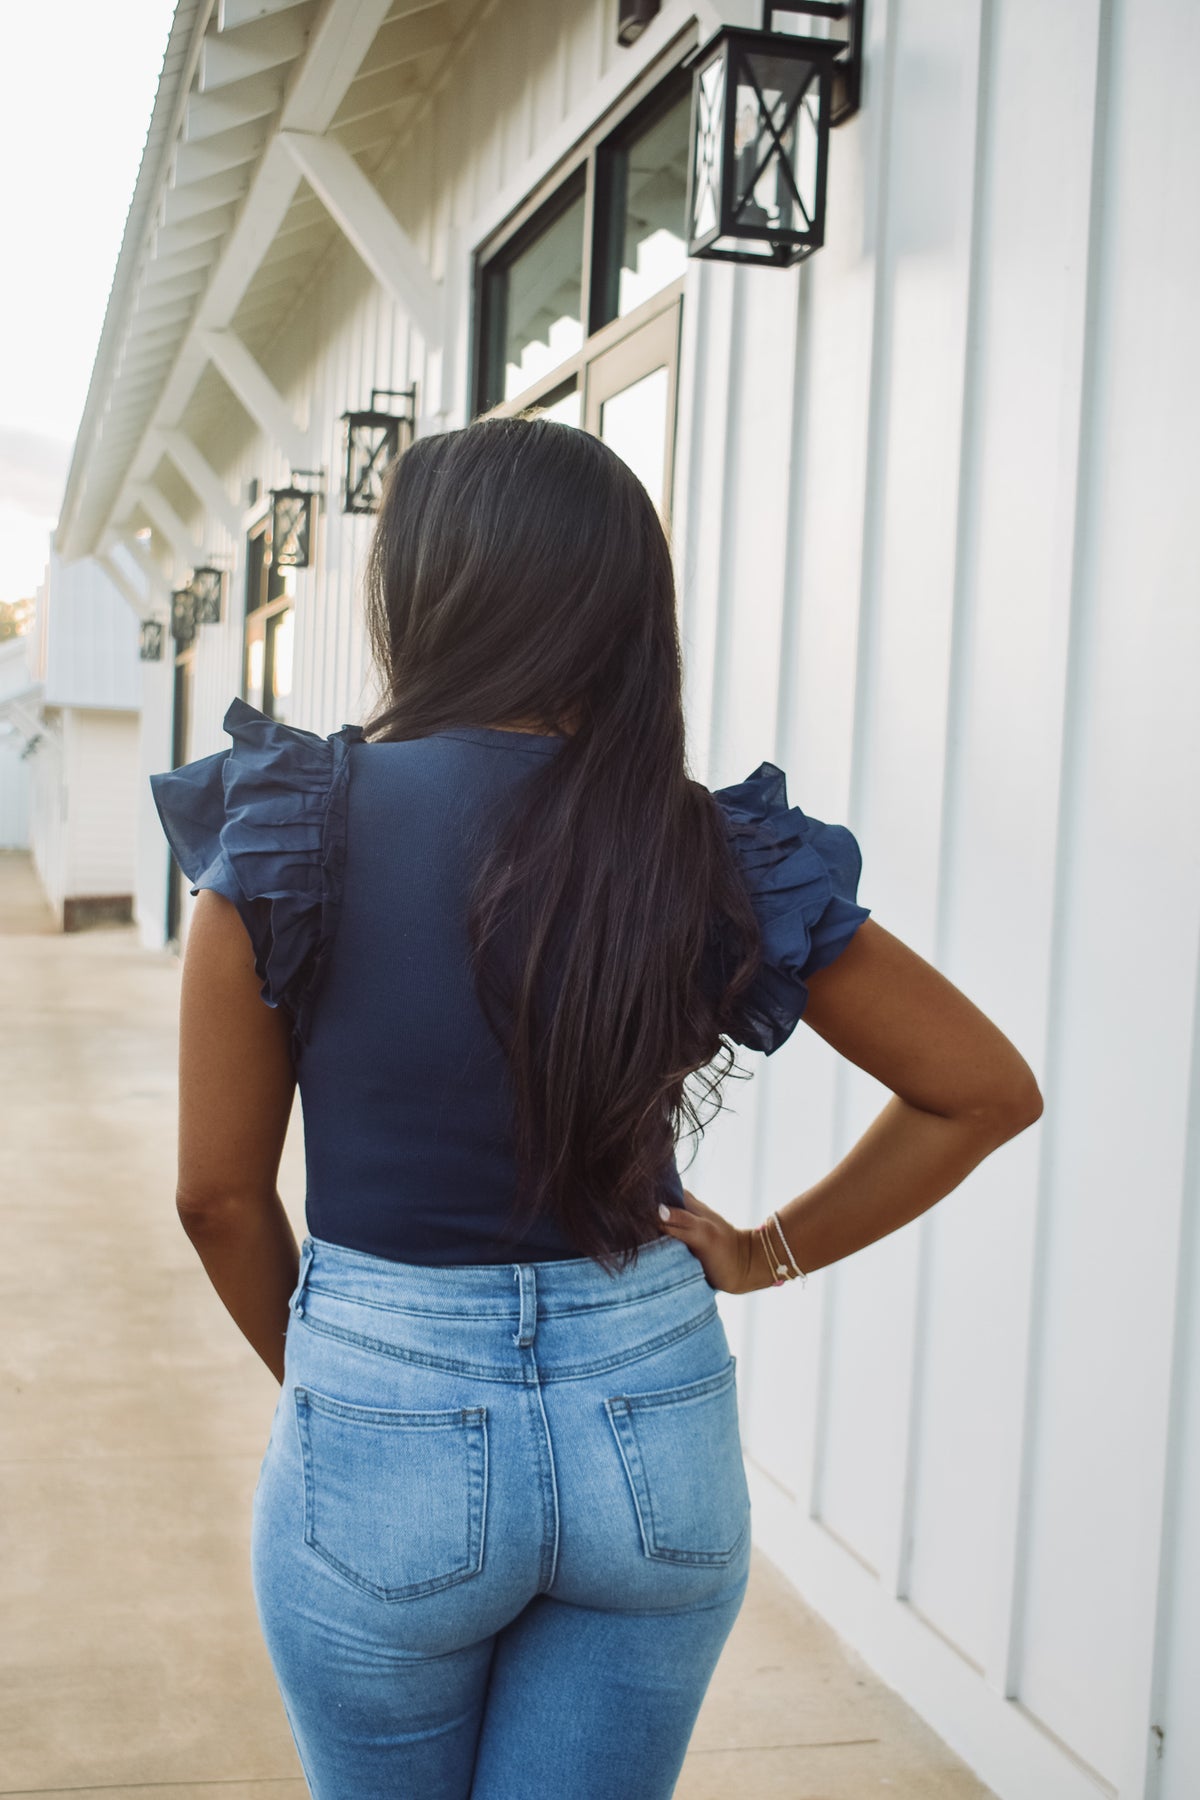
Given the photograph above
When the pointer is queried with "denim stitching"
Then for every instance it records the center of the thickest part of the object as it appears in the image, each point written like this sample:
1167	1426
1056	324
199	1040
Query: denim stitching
448	1364
576	1371
473	1420
620	1408
498	1312
520	1377
692	1390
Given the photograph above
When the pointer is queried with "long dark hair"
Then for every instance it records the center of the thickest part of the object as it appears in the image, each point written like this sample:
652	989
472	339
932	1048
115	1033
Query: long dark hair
519	572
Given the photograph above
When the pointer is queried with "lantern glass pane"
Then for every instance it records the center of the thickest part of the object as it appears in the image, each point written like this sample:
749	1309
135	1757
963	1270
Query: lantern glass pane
775	142
290	530
707	151
206	590
183	617
374	443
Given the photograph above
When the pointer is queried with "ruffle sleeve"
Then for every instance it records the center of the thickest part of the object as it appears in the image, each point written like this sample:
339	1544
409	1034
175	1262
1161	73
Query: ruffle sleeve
802	876
263	822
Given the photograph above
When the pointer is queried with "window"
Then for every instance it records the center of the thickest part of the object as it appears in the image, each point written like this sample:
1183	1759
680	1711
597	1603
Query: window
534	299
642	235
578	298
270	627
181	739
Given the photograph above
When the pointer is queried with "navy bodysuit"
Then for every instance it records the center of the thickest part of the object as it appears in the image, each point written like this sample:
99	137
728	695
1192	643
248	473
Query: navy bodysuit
350	864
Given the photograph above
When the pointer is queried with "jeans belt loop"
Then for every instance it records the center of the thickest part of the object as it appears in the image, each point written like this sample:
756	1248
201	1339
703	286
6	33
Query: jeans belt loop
527	1283
296	1303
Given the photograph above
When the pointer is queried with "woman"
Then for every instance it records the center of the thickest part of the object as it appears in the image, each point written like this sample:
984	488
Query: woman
501	1530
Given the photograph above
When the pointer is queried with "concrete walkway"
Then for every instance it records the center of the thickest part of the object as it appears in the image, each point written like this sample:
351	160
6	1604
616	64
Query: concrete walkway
132	1421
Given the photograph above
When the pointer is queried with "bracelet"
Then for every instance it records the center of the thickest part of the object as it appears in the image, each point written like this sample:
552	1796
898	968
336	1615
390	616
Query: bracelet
788	1248
776	1281
780	1271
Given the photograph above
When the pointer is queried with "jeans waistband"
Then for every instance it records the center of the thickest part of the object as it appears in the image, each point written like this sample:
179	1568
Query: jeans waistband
478	1290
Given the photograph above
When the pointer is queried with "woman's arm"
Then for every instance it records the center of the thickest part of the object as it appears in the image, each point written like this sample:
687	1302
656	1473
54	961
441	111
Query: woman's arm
960	1089
236	1087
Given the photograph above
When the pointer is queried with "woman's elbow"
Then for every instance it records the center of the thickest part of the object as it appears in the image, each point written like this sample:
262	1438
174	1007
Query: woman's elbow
1009	1113
206	1212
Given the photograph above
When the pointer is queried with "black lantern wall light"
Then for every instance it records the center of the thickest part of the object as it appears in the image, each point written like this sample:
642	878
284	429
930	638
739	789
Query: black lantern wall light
183	617
292	521
197	604
763	103
374	439
150	644
207	584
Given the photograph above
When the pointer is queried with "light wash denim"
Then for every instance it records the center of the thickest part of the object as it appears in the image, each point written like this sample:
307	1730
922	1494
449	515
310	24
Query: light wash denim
502	1528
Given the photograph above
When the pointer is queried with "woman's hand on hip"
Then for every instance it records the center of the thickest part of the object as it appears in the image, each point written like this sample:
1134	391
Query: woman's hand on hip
725	1253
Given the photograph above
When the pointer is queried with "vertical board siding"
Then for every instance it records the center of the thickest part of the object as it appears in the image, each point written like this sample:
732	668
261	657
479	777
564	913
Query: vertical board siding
1001	811
701	475
102	751
14	795
91	656
47	817
904	666
928	515
1174	1717
1119	1062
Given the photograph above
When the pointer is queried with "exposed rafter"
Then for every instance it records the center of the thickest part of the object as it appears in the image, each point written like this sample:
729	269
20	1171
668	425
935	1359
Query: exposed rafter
359	211
154	577
164	518
251	109
232	13
257	393
238	52
139	603
403	40
202	478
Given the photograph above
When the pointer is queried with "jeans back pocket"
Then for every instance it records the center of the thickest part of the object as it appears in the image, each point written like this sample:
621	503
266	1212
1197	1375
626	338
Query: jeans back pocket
394	1501
682	1452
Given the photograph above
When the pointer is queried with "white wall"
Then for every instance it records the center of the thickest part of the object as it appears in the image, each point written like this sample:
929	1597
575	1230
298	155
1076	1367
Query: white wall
101	761
82	809
984	608
16	678
151	856
930	526
48	811
14	793
84	803
89	642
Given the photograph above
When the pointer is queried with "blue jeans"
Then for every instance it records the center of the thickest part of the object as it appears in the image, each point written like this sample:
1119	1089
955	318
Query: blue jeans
502	1528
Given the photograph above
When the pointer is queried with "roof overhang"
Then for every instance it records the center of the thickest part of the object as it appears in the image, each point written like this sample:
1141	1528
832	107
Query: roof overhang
270	119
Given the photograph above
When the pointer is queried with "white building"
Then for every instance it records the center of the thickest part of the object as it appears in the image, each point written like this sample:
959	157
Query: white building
930	494
70	699
18	726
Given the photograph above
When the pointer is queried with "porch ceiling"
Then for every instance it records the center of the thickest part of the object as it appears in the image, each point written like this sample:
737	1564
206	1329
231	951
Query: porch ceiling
222	232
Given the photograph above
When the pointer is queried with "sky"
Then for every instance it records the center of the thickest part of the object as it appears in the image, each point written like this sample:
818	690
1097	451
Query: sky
77	86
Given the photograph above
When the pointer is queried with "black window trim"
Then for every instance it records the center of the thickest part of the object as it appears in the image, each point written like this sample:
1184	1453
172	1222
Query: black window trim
257	619
656	89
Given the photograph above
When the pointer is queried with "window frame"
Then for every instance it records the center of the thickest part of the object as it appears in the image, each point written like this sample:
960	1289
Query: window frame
183	694
665	94
656	90
256	619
